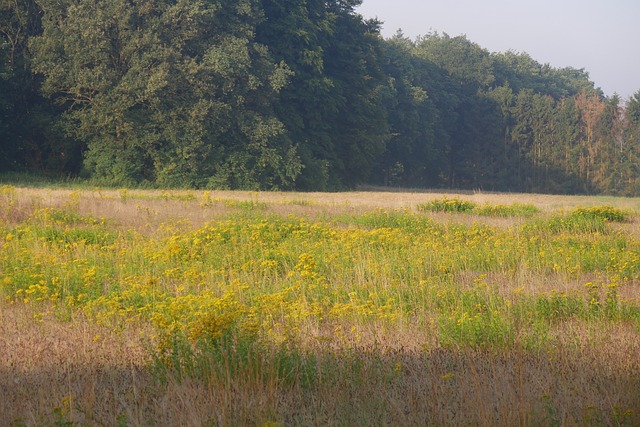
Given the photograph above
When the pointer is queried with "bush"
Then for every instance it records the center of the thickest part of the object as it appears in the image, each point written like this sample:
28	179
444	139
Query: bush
457	205
447	205
605	213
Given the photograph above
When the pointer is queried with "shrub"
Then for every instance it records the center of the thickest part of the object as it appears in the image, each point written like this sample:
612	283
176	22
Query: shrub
457	205
606	213
446	204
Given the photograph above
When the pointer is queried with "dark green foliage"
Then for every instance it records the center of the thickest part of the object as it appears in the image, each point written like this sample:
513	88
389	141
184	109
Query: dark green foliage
293	94
29	135
332	105
171	92
417	108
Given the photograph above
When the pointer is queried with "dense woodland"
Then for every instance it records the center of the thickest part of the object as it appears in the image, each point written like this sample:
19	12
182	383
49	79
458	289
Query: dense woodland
294	94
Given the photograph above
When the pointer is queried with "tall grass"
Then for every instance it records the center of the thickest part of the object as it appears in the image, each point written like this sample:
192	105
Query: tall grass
457	205
254	317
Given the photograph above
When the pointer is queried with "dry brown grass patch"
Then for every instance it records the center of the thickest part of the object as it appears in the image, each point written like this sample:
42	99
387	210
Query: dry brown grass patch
49	366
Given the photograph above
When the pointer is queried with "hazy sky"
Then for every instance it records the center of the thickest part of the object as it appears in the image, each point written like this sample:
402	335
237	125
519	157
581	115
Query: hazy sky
601	36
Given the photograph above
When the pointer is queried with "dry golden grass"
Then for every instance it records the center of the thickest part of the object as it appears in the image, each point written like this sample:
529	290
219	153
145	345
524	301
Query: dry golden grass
148	208
61	372
62	368
53	368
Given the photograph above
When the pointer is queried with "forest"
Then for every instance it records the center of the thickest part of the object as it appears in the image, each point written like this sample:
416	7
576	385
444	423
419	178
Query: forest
294	95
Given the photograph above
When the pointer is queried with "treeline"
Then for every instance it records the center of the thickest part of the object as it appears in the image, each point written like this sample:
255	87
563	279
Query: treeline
294	94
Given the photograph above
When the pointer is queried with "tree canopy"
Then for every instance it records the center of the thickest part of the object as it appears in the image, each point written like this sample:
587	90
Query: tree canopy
294	94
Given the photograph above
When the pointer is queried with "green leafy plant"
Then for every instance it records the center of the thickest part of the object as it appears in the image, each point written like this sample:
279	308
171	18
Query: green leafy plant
446	204
605	213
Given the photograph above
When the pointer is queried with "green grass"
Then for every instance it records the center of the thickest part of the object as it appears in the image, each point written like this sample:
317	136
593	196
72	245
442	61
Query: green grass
513	210
605	213
457	205
449	205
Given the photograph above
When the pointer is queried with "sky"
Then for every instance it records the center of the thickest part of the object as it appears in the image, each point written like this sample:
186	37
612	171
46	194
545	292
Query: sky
601	36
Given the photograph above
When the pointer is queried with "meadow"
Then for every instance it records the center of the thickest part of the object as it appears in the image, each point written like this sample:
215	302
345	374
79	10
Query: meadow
130	307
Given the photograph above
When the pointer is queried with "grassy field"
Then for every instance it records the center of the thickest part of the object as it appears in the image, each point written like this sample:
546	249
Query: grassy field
129	307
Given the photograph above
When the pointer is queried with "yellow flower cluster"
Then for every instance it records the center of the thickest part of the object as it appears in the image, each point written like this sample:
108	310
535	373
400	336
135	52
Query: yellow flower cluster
271	277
